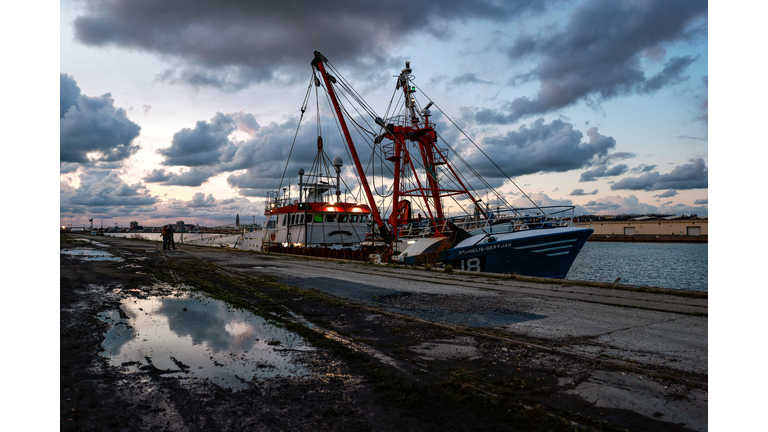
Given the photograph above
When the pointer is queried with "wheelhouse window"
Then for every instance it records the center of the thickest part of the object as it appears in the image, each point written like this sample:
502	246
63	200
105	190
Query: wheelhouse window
343	218
285	219
354	218
301	219
363	218
330	218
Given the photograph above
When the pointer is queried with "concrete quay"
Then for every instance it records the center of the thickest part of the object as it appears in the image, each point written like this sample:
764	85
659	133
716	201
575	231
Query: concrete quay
617	348
667	329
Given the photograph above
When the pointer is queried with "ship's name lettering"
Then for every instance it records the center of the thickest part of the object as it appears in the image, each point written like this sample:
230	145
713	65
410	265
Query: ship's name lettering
492	247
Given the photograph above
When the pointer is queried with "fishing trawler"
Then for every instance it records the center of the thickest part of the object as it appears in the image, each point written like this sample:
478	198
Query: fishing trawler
533	241
318	218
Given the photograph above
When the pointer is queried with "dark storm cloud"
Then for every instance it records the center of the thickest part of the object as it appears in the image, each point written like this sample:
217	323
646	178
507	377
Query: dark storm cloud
701	202
643	168
580	192
469	78
252	183
597	56
68	94
68	167
92	130
603	171
553	147
668	194
256	164
671	74
689	176
231	44
203	145
192	177
157	176
620	155
597	206
646	181
102	191
199	200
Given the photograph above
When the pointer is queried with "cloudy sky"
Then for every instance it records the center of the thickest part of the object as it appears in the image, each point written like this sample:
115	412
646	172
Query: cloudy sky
187	109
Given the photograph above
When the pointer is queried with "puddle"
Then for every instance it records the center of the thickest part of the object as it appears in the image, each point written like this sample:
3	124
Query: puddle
191	336
91	255
94	242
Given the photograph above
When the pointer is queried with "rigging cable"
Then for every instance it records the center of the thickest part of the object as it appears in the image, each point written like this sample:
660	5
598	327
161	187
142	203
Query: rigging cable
303	109
481	150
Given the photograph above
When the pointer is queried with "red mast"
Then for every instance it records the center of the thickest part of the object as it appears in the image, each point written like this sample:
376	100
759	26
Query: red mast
411	129
318	63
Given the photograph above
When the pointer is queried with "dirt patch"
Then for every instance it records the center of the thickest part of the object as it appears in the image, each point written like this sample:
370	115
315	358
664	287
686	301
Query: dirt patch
460	348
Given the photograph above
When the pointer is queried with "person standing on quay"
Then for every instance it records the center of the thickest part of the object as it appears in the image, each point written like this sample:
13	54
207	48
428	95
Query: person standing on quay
170	232
165	237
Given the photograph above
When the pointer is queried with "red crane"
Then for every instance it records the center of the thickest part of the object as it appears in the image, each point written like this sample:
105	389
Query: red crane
411	135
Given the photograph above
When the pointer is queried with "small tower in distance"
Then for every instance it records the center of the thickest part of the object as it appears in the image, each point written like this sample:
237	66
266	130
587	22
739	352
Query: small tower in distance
237	221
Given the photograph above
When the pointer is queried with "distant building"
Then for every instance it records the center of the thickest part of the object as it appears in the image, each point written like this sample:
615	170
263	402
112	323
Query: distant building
645	225
237	221
134	225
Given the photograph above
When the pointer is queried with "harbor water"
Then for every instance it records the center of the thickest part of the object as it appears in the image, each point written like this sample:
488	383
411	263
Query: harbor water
663	265
201	239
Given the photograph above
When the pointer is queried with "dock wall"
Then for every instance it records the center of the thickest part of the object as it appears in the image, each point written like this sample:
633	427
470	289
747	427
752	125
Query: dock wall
648	238
672	228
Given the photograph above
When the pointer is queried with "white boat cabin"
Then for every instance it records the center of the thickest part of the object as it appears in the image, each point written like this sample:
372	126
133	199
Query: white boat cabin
317	219
317	224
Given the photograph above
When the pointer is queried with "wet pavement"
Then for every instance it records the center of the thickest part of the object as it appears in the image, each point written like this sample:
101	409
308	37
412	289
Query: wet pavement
668	330
640	358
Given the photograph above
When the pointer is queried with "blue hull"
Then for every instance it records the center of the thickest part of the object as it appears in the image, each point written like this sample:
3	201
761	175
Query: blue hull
543	253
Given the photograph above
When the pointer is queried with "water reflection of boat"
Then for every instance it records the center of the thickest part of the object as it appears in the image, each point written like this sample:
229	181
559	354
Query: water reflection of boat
537	241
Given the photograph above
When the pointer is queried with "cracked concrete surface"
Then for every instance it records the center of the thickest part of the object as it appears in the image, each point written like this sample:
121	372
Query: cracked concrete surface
629	391
647	328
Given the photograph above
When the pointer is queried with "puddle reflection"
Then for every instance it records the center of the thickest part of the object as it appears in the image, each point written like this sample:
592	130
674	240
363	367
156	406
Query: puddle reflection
186	335
90	254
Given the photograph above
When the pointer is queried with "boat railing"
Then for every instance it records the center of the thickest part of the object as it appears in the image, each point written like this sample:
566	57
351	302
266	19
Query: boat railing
493	221
405	121
275	200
